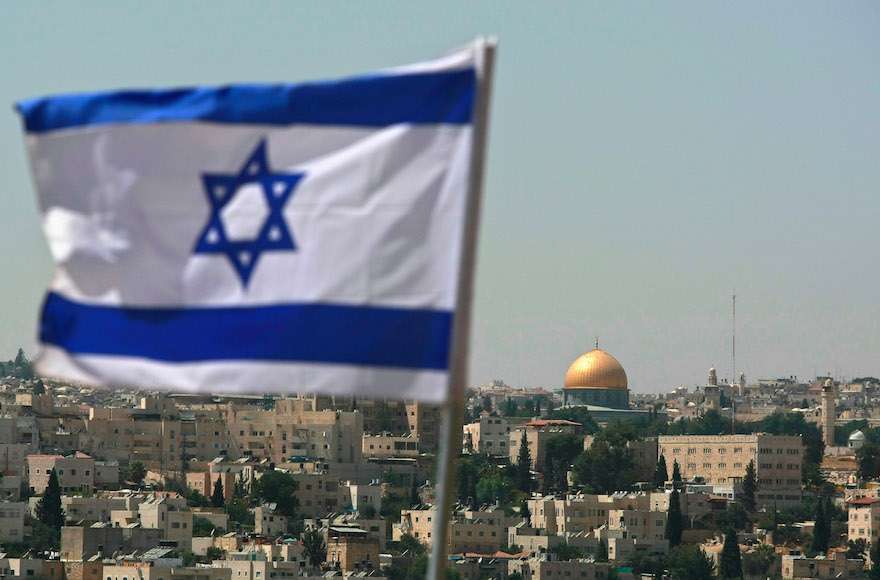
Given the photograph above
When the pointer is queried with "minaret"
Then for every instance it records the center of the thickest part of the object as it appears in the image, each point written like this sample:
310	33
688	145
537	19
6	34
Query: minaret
742	384
713	393
828	413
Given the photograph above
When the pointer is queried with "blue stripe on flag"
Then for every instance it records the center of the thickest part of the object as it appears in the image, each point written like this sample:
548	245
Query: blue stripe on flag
373	101
316	333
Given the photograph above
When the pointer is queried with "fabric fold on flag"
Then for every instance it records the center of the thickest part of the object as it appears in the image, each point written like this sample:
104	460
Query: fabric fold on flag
257	238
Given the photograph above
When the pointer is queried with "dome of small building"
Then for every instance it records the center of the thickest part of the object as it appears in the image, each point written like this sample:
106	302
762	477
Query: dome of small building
595	370
856	440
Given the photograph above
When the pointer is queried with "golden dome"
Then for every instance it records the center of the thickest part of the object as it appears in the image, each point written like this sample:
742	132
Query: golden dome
595	370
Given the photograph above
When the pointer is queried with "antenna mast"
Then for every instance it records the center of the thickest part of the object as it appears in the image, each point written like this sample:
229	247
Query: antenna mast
734	339
733	380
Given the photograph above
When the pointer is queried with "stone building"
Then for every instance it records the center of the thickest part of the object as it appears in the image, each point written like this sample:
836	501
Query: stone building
864	519
722	459
543	568
352	549
834	565
269	522
12	521
75	472
488	435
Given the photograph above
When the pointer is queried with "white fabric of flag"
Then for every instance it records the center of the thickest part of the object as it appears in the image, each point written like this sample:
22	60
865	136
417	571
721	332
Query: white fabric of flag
257	238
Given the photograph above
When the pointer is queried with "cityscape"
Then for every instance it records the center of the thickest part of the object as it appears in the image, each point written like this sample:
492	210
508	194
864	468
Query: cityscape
440	290
775	478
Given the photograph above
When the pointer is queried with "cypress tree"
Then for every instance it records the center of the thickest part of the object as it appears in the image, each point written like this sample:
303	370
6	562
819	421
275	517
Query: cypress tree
730	567
874	572
602	552
524	466
750	486
414	497
218	498
48	509
820	531
676	474
660	473
524	512
674	522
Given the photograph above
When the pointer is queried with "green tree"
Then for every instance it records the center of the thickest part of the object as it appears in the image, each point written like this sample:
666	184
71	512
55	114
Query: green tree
735	516
565	551
239	491
384	422
750	486
218	498
418	570
414	497
578	415
607	466
315	548
660	473
524	510
494	489
213	553
602	552
239	512
467	474
48	509
195	499
674	520
523	478
279	488
410	545
820	531
392	478
856	548
561	450
189	558
730	563
676	474
758	562
687	562
874	572
367	511
202	528
868	461
136	473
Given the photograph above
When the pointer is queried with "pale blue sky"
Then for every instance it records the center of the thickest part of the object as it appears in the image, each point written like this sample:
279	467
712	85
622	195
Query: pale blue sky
645	160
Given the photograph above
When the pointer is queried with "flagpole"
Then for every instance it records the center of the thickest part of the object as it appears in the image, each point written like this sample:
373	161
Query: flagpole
452	418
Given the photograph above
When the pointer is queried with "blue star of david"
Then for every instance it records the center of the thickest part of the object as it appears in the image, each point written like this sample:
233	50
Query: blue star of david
273	235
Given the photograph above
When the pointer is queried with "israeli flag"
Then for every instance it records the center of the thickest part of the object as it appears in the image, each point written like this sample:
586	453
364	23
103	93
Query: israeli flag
257	238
